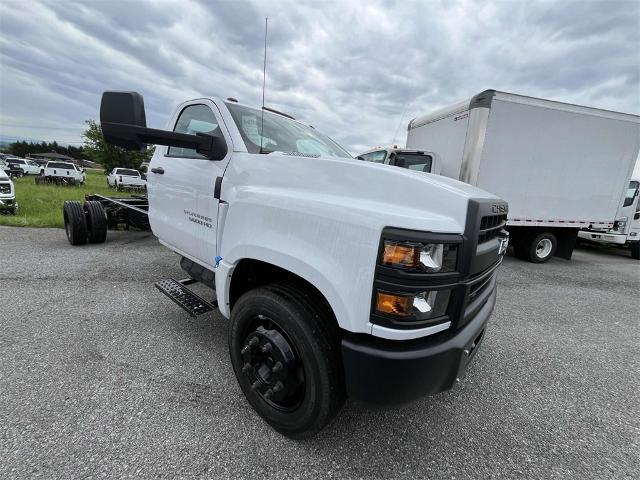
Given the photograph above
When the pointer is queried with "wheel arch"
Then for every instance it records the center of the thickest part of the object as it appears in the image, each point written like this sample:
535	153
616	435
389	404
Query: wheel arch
250	272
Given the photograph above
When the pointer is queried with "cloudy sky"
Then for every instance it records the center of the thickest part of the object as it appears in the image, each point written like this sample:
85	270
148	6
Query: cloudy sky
349	68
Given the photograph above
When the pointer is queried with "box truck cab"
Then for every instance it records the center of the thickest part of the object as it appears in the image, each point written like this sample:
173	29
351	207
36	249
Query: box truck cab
338	276
626	229
418	160
561	167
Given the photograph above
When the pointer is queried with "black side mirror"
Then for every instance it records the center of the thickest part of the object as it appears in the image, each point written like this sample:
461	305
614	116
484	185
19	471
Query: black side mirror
359	158
124	124
636	216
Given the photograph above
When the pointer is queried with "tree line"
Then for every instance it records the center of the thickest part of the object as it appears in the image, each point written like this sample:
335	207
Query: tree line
94	148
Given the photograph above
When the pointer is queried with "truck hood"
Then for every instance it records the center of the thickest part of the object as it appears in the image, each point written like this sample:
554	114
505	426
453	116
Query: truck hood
370	194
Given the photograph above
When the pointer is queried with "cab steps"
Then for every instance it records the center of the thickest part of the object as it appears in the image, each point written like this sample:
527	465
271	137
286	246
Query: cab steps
189	301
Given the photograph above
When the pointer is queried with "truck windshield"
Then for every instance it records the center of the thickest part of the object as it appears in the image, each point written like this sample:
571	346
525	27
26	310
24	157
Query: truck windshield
413	161
281	134
631	193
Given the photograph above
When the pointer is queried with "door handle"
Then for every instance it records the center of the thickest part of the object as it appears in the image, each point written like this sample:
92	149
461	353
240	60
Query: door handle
159	170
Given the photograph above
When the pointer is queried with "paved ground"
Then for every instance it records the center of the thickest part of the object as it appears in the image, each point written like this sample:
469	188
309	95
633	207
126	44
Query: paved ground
101	376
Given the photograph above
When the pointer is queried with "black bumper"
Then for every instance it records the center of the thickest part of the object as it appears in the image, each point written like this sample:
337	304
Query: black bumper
387	372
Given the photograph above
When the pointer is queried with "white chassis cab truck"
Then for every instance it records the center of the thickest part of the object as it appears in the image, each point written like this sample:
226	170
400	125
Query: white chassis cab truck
339	277
561	167
626	229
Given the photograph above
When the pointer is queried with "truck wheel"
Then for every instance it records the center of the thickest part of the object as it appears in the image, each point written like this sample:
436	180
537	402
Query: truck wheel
635	250
540	248
96	221
75	224
285	352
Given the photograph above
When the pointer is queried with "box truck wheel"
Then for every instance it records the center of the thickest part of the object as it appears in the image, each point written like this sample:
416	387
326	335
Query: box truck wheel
635	250
540	248
75	224
286	357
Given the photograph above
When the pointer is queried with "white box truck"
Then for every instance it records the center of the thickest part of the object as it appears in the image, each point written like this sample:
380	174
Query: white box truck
561	167
338	276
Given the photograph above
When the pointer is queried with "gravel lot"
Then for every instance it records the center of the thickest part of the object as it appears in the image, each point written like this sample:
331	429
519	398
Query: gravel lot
102	376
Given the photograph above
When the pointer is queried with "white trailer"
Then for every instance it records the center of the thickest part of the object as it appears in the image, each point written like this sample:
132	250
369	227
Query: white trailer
561	167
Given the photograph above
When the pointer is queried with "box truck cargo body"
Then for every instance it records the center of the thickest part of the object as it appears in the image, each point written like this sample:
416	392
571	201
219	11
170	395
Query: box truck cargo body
561	167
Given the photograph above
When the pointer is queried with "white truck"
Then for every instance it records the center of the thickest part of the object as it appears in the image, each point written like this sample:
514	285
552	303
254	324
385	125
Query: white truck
420	160
561	167
7	194
339	277
28	167
626	229
119	178
61	173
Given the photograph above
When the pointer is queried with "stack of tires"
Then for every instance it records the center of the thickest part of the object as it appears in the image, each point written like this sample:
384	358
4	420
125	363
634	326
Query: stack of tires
85	223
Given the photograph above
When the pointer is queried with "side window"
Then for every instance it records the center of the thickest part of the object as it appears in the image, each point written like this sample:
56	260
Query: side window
631	193
194	119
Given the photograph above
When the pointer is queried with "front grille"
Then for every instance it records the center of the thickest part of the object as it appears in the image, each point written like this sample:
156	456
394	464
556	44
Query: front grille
490	227
5	188
477	288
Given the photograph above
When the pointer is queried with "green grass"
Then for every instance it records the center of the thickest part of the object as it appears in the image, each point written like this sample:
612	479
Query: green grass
41	205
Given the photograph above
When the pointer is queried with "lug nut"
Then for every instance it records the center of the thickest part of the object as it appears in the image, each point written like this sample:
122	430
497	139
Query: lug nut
266	348
254	341
246	367
466	352
245	350
268	394
277	367
255	385
277	387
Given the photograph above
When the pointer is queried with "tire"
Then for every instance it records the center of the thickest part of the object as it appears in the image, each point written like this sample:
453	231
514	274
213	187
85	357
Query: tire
308	391
635	250
96	221
540	248
75	224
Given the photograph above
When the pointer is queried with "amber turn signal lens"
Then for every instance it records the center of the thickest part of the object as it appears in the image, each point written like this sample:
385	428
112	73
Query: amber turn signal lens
394	304
401	254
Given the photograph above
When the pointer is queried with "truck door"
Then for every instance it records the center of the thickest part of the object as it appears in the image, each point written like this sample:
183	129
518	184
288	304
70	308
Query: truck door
183	208
629	206
634	213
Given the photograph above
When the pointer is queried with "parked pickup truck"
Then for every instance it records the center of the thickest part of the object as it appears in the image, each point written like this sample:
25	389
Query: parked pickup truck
339	277
125	178
7	194
28	167
61	172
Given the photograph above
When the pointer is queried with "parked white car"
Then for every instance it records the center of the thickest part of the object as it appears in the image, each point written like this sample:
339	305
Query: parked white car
61	172
29	167
7	194
125	178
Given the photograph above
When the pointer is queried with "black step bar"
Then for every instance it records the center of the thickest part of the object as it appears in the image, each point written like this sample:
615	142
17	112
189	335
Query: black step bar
189	301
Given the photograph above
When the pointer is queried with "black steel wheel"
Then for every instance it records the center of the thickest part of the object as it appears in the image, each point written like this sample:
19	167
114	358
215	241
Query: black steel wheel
285	352
75	224
96	221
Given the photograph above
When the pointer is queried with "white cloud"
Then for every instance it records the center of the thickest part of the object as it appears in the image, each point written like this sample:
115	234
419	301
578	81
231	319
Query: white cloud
348	68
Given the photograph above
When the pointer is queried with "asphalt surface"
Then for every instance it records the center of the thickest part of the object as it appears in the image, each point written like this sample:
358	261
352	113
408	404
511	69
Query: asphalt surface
102	376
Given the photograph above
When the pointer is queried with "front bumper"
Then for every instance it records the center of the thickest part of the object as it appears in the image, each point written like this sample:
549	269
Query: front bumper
387	372
603	237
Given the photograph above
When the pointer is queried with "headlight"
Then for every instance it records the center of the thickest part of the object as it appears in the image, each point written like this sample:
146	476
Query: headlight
620	224
424	257
420	306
